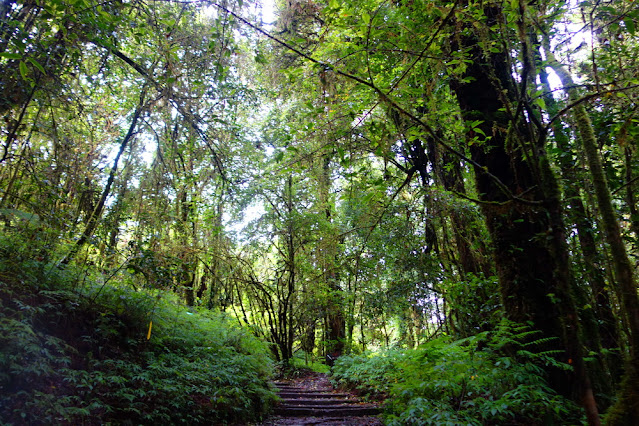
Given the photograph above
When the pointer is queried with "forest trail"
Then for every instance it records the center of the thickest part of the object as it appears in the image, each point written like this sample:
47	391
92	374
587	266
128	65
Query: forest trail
313	401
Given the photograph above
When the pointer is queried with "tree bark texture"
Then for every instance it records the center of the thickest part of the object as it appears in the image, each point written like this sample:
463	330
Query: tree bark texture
335	318
521	204
626	409
599	323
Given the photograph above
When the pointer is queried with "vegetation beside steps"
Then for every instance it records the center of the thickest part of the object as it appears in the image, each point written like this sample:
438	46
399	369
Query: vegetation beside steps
492	378
77	351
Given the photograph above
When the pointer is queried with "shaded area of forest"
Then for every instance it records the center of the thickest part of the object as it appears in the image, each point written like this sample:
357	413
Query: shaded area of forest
405	189
74	350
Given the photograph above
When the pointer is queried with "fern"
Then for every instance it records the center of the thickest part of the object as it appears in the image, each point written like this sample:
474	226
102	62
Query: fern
495	377
79	354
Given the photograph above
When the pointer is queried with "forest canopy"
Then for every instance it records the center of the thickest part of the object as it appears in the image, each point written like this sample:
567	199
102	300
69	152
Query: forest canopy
341	177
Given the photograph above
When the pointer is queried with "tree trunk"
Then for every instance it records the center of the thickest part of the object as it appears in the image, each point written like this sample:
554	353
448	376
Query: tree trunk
437	167
521	203
187	260
600	330
626	409
94	219
288	318
630	194
335	320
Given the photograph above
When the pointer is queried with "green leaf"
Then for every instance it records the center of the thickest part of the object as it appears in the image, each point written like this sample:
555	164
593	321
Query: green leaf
24	71
19	214
10	55
541	103
479	130
630	25
366	18
260	59
37	65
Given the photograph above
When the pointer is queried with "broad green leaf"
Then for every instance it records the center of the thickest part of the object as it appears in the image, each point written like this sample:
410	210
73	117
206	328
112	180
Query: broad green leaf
630	25
541	103
24	71
37	65
10	55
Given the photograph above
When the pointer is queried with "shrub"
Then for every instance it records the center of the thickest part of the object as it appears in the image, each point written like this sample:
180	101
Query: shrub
371	373
492	378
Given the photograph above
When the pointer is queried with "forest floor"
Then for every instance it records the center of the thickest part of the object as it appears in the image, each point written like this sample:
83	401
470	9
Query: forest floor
312	400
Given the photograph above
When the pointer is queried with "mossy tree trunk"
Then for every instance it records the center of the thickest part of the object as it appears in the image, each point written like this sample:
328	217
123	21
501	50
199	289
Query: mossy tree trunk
599	322
626	409
630	188
335	318
188	262
521	202
286	307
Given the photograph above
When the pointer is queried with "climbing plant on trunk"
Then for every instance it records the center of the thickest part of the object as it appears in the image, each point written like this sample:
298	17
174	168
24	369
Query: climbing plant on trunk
518	192
626	410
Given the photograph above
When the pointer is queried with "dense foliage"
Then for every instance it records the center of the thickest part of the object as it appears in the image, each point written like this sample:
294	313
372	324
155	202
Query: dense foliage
77	351
338	177
491	378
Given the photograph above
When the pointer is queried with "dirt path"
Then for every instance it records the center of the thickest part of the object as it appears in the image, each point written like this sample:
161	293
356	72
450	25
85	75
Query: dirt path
313	401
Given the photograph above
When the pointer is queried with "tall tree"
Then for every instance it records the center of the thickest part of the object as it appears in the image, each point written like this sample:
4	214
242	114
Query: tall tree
626	410
519	193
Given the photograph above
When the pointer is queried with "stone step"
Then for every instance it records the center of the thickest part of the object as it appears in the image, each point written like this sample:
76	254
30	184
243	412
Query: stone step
301	388
336	401
326	421
306	394
304	390
333	406
346	411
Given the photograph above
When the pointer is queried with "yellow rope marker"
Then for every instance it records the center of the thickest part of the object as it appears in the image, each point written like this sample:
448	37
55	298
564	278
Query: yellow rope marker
148	335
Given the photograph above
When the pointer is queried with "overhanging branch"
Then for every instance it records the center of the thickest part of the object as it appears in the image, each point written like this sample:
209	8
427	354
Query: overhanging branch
385	97
189	117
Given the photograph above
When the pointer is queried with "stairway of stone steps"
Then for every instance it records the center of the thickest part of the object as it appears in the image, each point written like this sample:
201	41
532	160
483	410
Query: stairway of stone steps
320	405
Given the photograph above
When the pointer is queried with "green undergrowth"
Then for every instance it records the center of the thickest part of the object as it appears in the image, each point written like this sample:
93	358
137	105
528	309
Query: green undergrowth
494	378
73	351
302	365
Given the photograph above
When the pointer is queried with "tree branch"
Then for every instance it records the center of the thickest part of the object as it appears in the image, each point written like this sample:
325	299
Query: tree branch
173	99
384	98
92	223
